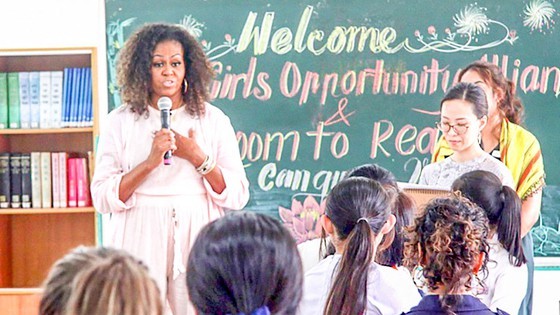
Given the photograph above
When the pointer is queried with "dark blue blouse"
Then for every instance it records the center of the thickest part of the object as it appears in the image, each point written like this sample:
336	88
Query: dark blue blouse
469	305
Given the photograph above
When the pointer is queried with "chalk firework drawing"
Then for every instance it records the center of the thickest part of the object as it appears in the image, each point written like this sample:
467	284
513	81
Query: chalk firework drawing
539	14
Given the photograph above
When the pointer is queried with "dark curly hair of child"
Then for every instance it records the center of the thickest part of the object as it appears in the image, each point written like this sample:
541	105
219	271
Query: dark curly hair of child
449	241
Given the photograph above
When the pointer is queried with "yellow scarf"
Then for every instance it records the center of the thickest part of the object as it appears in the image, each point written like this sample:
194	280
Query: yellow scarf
519	151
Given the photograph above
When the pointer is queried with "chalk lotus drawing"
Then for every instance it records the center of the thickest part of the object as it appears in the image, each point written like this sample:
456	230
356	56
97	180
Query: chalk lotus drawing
303	219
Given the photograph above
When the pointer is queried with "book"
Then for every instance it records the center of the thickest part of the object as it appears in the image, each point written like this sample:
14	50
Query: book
86	90
46	180
24	101
82	182
36	180
26	189
5	191
91	164
13	100
3	100
75	97
15	180
63	187
34	98
89	100
72	183
56	99
45	99
66	96
55	180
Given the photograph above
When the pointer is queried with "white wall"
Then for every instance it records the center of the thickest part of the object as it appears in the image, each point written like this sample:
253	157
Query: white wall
546	297
74	23
55	24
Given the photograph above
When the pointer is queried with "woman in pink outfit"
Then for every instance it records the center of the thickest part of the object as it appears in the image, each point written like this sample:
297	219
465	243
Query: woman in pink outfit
157	209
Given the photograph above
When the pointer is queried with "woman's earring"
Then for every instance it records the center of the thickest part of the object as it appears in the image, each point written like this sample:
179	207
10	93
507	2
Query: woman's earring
185	86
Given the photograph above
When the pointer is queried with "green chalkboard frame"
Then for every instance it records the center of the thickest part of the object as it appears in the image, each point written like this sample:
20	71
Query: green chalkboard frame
299	132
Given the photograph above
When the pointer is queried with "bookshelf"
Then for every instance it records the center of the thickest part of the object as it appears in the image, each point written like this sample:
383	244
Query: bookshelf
32	239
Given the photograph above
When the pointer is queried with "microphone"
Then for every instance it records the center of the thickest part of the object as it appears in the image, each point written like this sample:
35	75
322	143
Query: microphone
164	105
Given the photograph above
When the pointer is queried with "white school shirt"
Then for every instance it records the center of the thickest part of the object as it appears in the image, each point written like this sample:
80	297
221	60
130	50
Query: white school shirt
309	252
506	284
389	291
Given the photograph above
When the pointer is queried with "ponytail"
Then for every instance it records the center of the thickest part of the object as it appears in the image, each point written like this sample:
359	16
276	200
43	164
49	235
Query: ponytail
348	293
508	225
501	205
390	251
358	208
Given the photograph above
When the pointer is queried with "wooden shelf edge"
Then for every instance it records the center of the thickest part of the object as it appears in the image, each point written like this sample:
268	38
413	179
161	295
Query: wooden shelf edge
20	291
47	210
46	51
45	131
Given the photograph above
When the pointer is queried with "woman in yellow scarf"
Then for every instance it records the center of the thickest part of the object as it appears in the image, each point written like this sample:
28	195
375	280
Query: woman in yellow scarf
516	147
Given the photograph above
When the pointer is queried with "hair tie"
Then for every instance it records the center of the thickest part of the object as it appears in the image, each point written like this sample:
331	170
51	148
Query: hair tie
362	219
263	310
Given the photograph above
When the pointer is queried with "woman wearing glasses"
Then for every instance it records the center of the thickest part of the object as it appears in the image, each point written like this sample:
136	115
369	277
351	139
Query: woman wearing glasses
464	113
507	141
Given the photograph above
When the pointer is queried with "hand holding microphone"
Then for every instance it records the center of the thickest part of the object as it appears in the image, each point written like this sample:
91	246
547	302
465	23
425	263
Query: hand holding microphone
164	104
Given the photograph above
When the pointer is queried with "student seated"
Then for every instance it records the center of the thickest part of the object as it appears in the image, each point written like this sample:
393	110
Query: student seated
448	241
57	287
245	263
97	281
58	284
390	251
507	278
357	215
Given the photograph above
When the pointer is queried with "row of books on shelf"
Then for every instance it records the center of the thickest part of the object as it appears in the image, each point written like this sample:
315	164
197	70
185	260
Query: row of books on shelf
46	99
44	180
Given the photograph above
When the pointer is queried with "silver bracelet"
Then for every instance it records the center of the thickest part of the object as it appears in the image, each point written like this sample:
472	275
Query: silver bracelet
207	166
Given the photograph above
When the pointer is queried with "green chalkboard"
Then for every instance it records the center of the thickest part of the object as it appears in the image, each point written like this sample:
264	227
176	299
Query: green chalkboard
314	88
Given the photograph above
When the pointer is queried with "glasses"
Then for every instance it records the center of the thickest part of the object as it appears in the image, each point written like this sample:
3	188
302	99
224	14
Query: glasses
458	128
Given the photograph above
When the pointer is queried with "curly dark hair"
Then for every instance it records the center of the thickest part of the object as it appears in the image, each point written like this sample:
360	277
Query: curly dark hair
446	240
135	59
510	105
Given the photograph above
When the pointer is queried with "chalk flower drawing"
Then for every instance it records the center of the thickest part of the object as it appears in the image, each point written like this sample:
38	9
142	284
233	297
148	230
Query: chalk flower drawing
471	24
538	14
195	28
303	219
